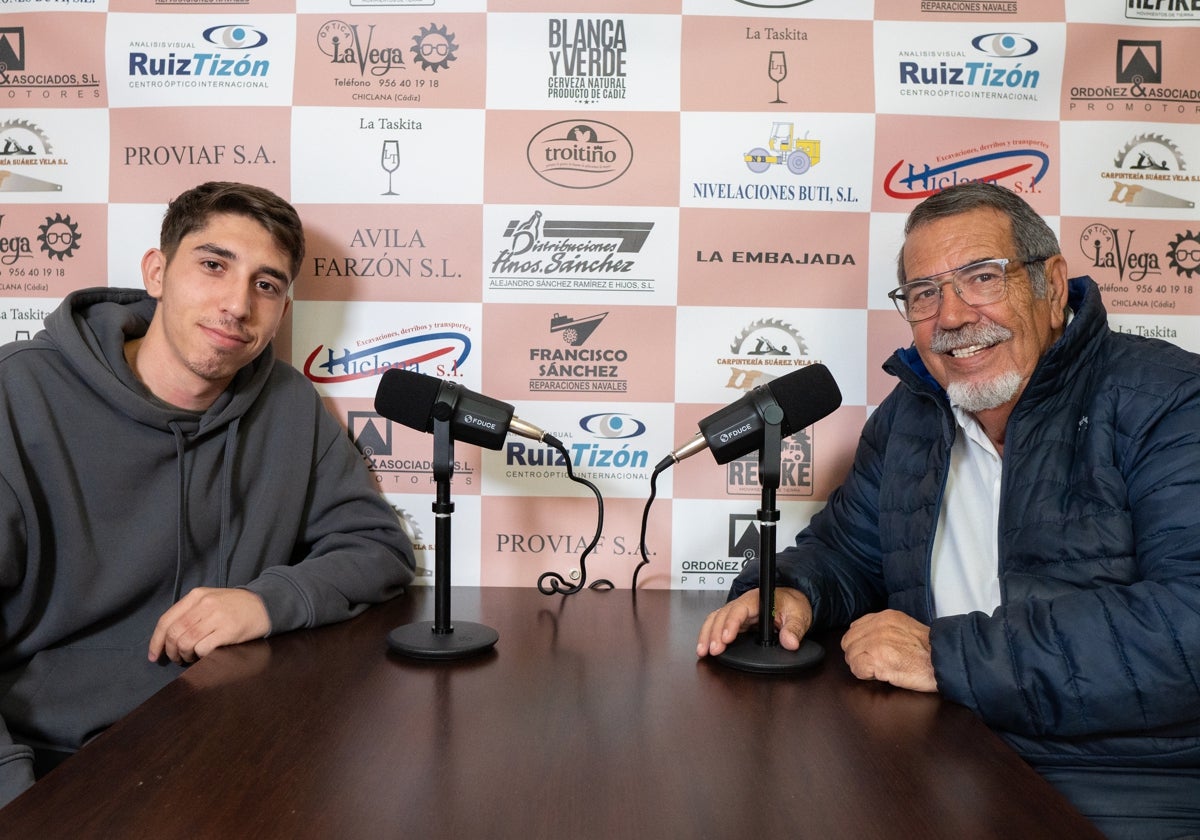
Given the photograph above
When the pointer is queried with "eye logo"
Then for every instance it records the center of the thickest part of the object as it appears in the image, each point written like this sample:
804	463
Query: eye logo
614	426
1004	45
233	37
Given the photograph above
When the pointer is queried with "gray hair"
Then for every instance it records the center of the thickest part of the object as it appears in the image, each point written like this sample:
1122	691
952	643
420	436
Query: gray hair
1031	235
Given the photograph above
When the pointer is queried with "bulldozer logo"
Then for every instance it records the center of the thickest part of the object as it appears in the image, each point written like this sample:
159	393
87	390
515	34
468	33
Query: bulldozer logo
797	154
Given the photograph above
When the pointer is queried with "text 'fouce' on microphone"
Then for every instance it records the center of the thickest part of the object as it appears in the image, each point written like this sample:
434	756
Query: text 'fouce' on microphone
804	395
416	400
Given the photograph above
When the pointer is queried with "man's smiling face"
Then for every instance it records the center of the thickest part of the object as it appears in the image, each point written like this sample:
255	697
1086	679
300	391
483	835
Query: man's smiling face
983	355
221	297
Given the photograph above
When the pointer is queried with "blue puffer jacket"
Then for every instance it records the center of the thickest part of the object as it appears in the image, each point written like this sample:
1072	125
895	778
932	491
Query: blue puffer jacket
1093	659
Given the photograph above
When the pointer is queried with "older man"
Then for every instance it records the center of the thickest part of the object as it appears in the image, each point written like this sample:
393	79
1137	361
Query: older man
1020	530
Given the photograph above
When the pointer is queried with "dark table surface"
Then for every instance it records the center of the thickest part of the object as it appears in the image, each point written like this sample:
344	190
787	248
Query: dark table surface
592	717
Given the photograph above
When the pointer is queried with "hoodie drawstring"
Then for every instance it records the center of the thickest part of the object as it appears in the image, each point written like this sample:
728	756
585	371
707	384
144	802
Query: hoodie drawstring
225	554
181	510
226	550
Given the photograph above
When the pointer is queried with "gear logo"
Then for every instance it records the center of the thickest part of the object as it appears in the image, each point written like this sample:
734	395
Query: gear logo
768	337
59	236
1150	152
1184	254
760	349
575	331
434	48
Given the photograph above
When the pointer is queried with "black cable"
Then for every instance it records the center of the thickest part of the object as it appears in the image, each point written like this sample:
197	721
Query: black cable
558	584
645	561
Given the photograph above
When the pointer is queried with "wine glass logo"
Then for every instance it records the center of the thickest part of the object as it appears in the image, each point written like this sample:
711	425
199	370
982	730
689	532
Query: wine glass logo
390	161
777	71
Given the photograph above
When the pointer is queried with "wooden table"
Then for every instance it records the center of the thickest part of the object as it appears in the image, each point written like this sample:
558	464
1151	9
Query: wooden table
592	717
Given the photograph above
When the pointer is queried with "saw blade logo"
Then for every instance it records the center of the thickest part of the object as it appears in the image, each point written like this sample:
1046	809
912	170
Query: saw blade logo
1147	158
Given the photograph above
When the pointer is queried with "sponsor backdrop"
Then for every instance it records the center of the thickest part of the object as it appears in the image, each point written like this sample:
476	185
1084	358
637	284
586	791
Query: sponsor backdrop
618	216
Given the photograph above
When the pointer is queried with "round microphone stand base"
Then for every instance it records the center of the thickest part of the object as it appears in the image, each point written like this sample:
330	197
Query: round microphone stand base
423	640
747	653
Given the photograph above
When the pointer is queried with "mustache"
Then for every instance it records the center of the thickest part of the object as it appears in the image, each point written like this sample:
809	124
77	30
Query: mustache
985	333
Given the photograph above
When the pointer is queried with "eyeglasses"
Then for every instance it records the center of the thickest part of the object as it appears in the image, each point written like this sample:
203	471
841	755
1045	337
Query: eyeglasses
976	284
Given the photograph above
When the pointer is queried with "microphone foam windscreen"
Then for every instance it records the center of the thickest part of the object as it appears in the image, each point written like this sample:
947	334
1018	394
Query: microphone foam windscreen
407	397
805	395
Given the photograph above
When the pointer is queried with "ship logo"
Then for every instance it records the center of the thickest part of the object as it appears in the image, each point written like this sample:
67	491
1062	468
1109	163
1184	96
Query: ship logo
576	331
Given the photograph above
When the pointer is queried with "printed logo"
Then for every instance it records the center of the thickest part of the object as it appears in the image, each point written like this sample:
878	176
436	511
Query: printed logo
1138	88
741	550
587	59
23	144
777	68
45	87
1162	10
13	248
21	319
346	46
576	368
789	148
994	7
234	37
612	425
576	331
579	154
383	253
777	257
434	48
1184	254
586	255
12	50
795	469
1020	168
184	65
1139	284
395	470
759	350
600	456
784	148
1139	62
1004	45
373	64
438	349
1144	160
197	154
941	73
59	237
1105	248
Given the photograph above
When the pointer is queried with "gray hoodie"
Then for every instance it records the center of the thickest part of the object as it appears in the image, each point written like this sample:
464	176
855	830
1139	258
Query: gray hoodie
113	505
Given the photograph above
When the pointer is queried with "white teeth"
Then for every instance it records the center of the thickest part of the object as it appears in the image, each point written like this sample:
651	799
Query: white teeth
964	352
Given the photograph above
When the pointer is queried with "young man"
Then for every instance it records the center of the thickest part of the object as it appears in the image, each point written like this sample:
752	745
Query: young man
1019	530
166	486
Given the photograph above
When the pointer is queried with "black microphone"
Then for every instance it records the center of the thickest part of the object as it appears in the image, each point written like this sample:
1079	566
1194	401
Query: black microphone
416	400
805	395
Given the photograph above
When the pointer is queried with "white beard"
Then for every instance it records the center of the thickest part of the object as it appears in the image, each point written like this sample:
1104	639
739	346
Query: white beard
980	396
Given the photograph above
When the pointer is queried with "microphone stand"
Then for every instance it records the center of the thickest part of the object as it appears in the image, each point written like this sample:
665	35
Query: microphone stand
761	652
441	639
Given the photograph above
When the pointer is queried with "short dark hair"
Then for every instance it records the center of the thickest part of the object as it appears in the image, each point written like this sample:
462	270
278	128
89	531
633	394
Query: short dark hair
191	210
1031	235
